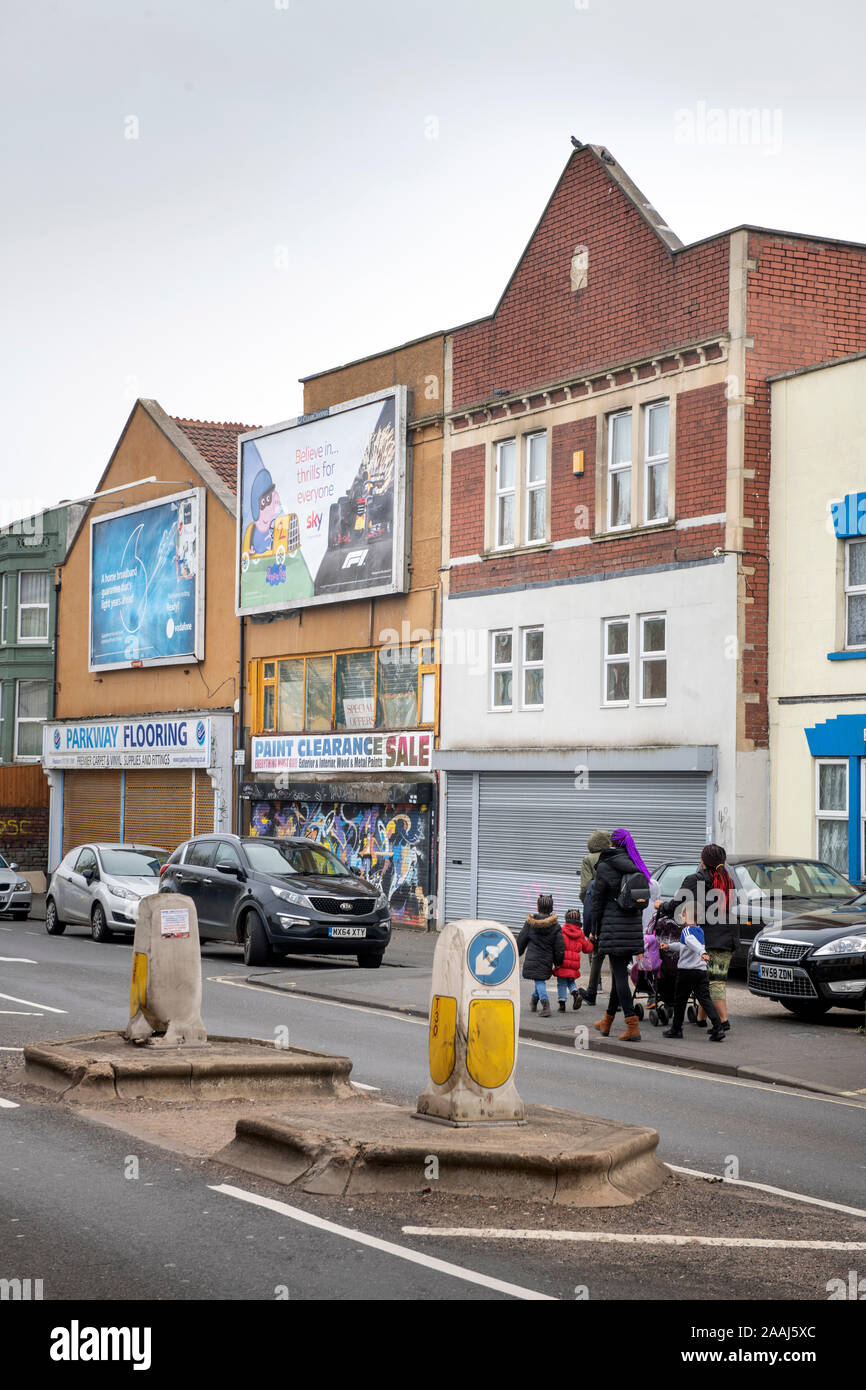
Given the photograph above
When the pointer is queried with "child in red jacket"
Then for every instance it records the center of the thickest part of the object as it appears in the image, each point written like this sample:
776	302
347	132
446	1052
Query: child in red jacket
567	974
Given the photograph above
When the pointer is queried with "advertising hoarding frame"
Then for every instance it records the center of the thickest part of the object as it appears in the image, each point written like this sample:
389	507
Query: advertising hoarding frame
197	652
402	489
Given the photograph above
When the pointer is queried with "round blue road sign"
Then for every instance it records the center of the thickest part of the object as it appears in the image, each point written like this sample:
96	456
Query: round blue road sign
491	957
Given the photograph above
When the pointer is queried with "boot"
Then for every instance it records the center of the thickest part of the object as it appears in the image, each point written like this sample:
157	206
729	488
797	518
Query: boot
533	1003
672	1032
544	1011
604	1024
717	1032
586	996
632	1032
576	1000
562	1006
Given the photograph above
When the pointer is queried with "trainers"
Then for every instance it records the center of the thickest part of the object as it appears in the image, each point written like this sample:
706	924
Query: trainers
672	1033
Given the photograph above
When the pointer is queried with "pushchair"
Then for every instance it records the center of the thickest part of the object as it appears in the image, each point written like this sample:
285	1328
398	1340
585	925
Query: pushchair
654	973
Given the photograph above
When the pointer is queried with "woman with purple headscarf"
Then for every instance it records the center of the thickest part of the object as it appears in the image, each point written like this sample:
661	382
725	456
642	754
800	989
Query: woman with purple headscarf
620	931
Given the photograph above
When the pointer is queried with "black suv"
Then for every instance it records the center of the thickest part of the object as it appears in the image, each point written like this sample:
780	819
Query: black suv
278	897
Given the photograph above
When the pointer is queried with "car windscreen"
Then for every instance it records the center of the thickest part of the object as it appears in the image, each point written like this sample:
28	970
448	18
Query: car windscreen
671	879
795	879
276	857
133	863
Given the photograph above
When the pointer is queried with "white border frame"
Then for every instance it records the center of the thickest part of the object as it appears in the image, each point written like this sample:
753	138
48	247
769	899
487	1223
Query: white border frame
529	487
498	492
402	503
33	641
29	757
197	651
530	665
619	468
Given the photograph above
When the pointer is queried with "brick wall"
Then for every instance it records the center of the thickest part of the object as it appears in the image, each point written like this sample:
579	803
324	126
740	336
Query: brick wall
806	303
24	837
640	298
467	500
701	454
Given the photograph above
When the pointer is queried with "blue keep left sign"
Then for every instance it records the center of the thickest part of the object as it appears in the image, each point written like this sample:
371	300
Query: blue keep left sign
491	957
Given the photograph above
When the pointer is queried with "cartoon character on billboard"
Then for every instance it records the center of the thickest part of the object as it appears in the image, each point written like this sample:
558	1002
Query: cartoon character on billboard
272	537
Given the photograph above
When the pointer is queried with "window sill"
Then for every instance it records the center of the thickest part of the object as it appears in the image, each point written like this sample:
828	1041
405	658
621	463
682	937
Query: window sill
535	548
649	528
847	656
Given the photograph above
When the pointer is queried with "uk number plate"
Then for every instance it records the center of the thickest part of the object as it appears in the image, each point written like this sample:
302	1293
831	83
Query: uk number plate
347	931
775	972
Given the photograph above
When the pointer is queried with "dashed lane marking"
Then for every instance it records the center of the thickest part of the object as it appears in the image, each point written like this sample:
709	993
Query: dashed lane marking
32	1002
774	1191
621	1238
9	1104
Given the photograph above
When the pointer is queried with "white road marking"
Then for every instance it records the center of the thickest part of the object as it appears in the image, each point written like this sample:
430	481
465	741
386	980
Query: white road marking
9	1104
13	1049
5	928
560	1048
32	1002
362	1087
386	1246
620	1238
22	1013
774	1191
17	960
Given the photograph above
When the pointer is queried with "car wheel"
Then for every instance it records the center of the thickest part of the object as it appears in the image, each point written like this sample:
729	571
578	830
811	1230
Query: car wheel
53	924
99	928
257	947
370	960
806	1009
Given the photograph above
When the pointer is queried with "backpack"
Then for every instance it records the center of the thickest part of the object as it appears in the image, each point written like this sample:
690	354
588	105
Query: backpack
634	892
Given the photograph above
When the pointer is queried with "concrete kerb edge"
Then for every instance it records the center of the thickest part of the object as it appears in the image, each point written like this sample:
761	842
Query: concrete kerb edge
717	1068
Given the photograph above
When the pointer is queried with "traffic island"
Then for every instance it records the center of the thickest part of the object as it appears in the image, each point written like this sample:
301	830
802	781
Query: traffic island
363	1146
105	1067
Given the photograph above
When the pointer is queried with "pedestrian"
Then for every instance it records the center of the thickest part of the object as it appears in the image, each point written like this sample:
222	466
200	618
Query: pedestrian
711	892
567	974
541	939
692	978
599	840
620	896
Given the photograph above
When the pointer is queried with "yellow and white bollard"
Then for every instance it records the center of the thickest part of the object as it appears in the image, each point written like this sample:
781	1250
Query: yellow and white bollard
165	990
474	1021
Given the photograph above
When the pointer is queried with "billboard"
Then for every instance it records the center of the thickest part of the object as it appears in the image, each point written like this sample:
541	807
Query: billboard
147	584
322	506
147	741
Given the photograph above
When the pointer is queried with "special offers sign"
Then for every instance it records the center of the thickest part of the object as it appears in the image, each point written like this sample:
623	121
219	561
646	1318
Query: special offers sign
144	743
398	752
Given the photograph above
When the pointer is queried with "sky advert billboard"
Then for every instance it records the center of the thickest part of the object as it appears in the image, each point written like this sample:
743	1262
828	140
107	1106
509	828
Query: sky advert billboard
147	584
322	514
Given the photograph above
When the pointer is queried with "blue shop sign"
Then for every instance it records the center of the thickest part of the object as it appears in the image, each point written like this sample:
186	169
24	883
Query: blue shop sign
849	516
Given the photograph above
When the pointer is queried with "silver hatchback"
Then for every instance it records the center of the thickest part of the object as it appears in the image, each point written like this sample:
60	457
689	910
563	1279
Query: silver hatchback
100	886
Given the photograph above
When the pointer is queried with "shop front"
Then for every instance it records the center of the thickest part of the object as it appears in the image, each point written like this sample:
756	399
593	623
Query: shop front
148	779
370	797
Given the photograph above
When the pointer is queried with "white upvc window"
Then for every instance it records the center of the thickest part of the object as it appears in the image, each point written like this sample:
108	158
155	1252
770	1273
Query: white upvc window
33	599
31	712
4	608
535	503
502	669
619	471
831	812
616	674
653	659
855	594
532	661
506	465
656	457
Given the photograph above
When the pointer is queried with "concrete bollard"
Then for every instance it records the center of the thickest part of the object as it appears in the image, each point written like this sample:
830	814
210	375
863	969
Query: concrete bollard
474	1021
165	991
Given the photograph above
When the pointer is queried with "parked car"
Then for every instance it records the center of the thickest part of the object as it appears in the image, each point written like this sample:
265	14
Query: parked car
770	889
100	886
817	962
16	894
277	897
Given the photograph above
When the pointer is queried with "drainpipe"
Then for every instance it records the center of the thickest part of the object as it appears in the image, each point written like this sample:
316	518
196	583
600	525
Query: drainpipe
239	770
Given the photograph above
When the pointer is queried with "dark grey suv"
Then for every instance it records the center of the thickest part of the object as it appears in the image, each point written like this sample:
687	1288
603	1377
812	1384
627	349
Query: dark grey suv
279	897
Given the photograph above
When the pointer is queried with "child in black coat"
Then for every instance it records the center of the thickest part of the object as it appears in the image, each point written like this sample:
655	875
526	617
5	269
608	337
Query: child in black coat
541	939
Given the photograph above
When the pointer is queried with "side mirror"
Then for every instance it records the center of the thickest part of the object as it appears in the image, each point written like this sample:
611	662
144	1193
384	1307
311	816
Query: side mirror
13	867
231	870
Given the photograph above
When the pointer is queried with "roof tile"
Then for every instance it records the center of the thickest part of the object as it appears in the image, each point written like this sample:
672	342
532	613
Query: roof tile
218	443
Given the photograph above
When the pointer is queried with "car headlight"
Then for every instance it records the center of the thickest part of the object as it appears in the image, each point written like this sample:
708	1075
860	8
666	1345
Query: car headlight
21	885
381	901
844	946
121	892
289	897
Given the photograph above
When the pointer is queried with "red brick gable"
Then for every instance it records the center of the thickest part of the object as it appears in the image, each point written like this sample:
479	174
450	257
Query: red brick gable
218	443
640	296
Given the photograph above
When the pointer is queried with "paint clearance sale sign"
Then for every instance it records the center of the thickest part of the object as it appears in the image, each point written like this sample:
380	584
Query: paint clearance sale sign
397	752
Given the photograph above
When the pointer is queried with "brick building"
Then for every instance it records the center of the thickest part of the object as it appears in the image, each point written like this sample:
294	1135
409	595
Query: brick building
606	475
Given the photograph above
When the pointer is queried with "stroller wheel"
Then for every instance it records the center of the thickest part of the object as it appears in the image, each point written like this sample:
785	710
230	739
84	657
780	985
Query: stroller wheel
654	1017
638	1008
692	1014
662	1013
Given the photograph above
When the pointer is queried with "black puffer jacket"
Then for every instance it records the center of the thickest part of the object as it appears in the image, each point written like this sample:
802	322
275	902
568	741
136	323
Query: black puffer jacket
619	933
720	934
541	939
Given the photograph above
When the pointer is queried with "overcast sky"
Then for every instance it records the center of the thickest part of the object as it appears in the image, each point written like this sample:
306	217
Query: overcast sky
313	180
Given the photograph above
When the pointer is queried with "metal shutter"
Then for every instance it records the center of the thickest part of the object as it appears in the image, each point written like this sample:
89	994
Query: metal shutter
458	846
533	828
204	808
158	808
91	807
